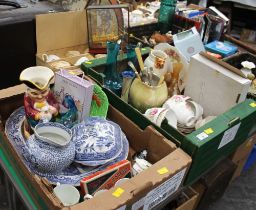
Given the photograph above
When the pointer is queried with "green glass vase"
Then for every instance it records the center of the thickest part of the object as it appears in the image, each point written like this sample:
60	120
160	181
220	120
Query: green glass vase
166	15
112	80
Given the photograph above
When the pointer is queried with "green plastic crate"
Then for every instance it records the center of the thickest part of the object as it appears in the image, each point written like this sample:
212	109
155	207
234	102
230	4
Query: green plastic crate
205	153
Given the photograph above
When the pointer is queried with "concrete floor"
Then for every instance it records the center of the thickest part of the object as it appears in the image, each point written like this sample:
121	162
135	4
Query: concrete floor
240	195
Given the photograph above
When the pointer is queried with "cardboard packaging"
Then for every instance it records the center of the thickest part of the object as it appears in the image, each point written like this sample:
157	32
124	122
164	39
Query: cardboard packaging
58	33
80	90
186	200
165	177
107	178
215	88
240	156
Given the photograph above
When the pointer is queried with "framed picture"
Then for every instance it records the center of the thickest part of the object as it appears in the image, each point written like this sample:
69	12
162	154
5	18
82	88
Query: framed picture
105	23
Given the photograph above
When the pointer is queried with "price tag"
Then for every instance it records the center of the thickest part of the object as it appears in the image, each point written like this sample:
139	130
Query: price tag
202	136
163	170
143	49
88	62
253	104
118	192
208	131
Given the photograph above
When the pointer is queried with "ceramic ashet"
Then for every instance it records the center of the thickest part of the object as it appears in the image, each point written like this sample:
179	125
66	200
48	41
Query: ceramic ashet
51	148
37	77
143	96
97	141
71	174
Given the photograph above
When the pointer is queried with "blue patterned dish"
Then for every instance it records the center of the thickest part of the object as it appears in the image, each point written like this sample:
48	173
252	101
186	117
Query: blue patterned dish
49	158
72	174
97	141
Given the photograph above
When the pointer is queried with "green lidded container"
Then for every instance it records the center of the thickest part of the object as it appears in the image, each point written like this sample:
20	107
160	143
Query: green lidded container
209	144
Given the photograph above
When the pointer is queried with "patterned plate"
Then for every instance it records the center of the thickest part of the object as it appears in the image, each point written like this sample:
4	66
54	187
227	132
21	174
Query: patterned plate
71	175
97	141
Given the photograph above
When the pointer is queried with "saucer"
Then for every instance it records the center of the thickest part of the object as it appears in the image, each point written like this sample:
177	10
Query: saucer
97	141
70	175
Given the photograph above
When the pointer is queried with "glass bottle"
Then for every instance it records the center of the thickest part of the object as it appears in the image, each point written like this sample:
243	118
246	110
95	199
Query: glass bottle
166	15
112	80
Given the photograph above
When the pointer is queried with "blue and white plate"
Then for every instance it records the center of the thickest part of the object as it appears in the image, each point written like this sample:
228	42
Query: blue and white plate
97	141
72	174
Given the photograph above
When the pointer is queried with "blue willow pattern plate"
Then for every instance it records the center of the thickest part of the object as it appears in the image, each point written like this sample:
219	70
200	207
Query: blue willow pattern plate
72	174
97	141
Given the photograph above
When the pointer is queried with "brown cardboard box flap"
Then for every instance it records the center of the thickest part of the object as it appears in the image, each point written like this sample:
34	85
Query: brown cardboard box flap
16	90
244	150
223	64
60	30
137	187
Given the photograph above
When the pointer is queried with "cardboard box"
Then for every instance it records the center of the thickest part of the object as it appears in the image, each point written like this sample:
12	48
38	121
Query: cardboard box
209	83
192	196
58	33
240	156
170	165
243	150
185	200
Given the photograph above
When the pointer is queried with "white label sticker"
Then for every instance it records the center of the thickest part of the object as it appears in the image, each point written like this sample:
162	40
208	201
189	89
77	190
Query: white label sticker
202	136
229	135
163	191
122	208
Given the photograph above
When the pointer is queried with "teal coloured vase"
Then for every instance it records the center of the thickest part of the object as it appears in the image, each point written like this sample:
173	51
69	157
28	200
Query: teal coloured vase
112	80
166	15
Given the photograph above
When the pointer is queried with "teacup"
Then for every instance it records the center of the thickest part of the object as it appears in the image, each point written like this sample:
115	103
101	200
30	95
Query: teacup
121	181
72	53
49	58
182	109
81	60
197	108
100	192
157	115
67	194
60	64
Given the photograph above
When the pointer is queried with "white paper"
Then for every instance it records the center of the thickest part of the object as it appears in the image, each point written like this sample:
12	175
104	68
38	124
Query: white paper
163	191
229	135
202	136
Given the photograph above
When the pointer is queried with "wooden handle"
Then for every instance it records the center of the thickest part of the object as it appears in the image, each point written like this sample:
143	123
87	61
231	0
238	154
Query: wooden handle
139	57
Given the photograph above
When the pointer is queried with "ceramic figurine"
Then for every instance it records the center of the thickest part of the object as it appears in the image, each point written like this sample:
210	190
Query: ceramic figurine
39	102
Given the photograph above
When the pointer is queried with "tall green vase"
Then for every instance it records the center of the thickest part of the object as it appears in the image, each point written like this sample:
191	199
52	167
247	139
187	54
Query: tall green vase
166	15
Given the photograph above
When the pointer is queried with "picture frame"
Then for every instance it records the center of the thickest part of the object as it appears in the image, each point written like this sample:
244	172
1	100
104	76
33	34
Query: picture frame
105	23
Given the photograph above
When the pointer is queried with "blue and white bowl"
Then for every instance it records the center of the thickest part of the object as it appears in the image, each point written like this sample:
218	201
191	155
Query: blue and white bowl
97	141
51	147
